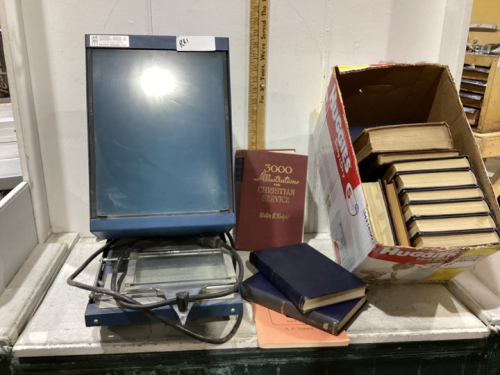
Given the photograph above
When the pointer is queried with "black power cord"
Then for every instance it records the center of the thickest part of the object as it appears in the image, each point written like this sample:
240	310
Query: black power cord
132	304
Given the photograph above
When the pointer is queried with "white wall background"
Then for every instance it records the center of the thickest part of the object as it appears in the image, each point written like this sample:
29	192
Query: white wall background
307	38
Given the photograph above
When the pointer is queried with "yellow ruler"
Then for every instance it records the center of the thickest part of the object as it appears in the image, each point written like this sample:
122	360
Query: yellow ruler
259	31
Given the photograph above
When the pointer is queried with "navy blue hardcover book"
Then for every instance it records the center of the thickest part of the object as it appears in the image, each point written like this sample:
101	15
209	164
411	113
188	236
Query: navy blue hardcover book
330	319
306	277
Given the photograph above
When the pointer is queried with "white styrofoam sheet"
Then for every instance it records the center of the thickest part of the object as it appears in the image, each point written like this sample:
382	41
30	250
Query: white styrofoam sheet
17	232
10	166
487	272
7	127
395	313
9	151
21	297
477	296
10	173
6	113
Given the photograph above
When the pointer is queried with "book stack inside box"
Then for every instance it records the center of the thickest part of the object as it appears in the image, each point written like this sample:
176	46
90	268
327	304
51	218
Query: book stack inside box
420	192
303	284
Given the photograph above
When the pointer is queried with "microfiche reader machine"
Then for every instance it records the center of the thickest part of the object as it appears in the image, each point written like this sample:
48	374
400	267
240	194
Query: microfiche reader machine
161	182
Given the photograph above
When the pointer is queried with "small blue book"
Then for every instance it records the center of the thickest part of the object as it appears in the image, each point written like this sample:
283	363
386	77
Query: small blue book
330	319
306	277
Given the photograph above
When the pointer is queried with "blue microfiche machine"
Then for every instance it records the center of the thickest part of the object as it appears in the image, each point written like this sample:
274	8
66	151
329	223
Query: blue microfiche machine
161	182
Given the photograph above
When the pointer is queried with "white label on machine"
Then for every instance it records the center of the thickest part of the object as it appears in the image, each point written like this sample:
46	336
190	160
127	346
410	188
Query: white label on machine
195	43
109	41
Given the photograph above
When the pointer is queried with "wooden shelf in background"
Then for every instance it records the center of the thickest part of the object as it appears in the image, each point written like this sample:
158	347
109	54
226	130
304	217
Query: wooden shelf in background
488	143
481	60
489	119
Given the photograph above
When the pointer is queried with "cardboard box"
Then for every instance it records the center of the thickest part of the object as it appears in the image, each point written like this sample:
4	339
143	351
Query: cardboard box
388	95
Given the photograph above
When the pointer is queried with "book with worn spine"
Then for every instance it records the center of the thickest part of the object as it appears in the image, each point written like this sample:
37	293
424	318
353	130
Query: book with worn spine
455	238
270	198
379	215
467	208
470	223
426	196
373	168
435	180
396	214
309	279
330	319
401	138
457	163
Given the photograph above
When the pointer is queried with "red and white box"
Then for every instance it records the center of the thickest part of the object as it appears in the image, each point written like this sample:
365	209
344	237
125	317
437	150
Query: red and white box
377	96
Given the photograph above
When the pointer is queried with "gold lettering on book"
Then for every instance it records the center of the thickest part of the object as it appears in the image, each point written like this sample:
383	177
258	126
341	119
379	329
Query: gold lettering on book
278	216
275	199
274	216
267	177
275	193
275	190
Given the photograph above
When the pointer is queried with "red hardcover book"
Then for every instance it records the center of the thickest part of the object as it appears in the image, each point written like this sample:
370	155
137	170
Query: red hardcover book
270	199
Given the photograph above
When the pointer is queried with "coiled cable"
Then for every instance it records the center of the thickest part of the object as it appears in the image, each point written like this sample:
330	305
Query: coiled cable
132	304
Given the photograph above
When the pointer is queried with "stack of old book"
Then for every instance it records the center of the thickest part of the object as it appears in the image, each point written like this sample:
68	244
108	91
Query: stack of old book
425	193
304	285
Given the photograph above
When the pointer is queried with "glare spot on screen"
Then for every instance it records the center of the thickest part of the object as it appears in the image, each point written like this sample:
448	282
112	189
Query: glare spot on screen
157	82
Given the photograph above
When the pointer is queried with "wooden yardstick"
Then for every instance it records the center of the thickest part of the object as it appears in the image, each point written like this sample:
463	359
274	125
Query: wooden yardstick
259	32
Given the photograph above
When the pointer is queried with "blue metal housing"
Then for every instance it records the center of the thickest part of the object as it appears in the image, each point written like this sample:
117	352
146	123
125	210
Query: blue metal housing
158	208
162	226
204	309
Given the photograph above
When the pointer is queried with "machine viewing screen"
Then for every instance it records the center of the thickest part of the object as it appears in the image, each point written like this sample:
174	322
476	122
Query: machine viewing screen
159	126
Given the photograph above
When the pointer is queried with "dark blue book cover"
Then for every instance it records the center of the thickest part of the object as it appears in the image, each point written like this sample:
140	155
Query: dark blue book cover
330	319
306	277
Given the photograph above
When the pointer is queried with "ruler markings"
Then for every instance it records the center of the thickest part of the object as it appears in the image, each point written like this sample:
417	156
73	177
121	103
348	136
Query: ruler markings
259	26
